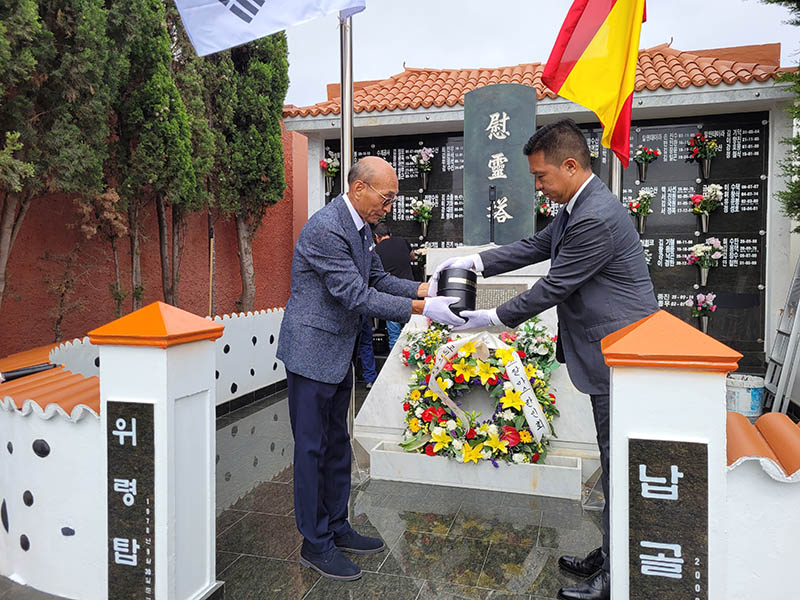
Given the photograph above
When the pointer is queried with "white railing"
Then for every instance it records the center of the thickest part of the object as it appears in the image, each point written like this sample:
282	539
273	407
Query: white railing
245	354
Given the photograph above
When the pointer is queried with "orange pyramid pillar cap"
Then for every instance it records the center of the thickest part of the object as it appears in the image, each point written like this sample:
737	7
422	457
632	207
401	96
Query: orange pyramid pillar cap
664	341
157	324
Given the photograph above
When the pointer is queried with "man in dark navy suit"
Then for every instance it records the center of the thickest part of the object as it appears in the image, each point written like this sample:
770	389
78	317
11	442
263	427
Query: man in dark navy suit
336	279
598	282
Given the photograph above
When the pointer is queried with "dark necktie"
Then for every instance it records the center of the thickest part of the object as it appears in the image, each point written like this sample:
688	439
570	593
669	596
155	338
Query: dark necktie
563	223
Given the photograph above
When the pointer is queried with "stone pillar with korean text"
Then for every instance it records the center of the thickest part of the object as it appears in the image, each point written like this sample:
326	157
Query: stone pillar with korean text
668	460
157	403
498	121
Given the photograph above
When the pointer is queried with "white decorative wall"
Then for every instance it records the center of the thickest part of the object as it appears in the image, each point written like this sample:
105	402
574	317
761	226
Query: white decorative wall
246	353
52	499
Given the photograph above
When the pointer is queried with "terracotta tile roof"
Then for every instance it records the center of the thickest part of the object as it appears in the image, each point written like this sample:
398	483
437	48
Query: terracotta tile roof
774	441
660	67
56	391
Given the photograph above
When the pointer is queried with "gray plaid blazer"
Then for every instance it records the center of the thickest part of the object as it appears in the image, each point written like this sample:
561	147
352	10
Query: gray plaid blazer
598	281
336	278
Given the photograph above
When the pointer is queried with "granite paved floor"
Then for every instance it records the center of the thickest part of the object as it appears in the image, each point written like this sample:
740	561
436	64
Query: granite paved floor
442	542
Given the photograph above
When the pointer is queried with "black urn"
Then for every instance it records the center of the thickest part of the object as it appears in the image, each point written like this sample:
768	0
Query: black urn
461	284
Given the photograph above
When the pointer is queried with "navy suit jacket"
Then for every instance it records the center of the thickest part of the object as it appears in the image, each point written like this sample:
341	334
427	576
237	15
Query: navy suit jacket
336	278
598	280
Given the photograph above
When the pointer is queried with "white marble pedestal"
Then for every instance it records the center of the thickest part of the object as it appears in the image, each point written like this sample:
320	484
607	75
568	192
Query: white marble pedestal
381	418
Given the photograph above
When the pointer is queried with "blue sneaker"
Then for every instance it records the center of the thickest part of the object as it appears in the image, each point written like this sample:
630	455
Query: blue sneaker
331	564
358	544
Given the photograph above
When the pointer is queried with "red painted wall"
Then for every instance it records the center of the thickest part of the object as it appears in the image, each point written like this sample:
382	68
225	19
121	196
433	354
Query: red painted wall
28	312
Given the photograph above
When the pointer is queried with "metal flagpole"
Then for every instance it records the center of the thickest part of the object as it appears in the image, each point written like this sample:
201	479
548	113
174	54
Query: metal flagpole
615	176
346	89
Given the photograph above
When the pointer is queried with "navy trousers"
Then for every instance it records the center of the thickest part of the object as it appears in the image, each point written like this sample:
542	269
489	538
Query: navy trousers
601	423
318	412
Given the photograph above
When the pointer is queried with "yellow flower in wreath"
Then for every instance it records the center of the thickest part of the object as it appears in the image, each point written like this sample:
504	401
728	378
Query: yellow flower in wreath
530	371
415	395
512	399
441	438
467	349
466	370
486	371
525	436
471	454
506	355
496	444
413	425
443	383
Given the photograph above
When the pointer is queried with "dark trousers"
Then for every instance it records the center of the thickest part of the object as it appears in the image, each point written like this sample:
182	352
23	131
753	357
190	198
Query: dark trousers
601	421
366	351
318	412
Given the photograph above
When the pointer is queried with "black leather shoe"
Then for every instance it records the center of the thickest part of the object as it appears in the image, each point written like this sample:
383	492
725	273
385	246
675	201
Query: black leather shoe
331	564
583	566
358	544
596	588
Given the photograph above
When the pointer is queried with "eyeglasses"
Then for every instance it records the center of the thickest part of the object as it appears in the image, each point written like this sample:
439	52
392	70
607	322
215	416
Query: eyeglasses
387	200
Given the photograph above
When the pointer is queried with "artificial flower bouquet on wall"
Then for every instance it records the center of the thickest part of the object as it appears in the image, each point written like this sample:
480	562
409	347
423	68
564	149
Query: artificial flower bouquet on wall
640	208
706	256
706	203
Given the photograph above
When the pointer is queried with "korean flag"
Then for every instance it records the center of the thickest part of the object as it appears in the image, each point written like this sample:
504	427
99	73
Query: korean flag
215	25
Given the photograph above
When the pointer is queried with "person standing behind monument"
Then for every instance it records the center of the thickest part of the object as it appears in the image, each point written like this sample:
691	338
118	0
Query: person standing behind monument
598	281
337	279
396	256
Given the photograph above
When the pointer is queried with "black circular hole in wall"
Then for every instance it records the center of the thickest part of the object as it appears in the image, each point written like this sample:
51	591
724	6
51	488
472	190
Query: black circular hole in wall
67	531
271	339
216	375
274	366
226	349
254	339
41	448
252	372
24	542
4	515
97	362
10	448
27	498
234	387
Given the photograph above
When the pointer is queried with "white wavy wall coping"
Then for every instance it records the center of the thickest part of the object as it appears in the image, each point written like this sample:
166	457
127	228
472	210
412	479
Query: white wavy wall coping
79	356
246	358
770	467
30	407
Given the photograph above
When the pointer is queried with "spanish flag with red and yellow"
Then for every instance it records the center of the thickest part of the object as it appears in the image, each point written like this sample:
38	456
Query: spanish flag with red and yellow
593	63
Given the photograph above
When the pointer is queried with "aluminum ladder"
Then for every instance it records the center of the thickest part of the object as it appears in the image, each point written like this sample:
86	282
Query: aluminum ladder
783	358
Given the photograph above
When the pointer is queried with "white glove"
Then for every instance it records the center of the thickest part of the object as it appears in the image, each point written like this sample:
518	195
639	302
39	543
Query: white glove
477	319
438	309
473	262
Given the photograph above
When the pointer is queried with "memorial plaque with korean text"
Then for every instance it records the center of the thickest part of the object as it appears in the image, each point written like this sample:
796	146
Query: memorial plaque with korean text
668	520
131	501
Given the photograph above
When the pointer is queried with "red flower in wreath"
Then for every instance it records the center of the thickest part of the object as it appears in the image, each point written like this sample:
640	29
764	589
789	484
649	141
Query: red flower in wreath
511	435
431	413
406	406
535	457
470	434
429	450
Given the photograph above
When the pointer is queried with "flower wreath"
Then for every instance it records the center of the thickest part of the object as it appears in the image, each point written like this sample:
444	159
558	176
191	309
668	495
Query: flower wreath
434	428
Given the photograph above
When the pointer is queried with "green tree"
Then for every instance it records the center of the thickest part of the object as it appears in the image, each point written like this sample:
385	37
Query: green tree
153	154
190	72
790	197
54	90
248	107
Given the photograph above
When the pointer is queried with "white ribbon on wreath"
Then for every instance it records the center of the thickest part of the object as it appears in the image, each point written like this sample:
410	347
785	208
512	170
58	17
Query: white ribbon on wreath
484	342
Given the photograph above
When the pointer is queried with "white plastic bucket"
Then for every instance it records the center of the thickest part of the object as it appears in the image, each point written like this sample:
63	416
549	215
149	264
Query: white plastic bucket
745	394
